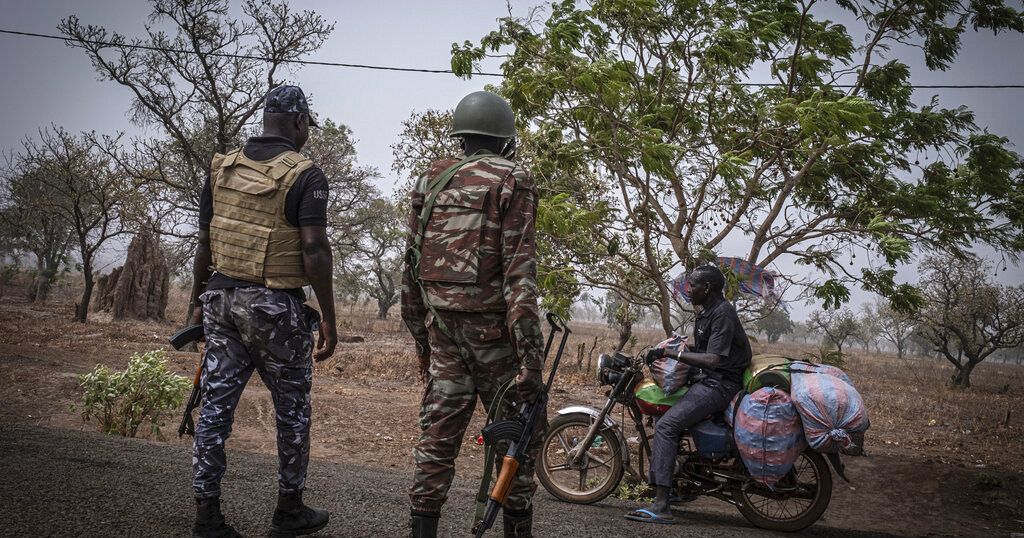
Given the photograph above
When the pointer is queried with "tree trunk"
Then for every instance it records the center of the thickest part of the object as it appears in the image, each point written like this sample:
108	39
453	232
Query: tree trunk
666	316
39	290
962	377
625	332
383	305
82	308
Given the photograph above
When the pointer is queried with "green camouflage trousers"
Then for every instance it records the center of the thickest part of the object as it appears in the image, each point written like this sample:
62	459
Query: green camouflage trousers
477	365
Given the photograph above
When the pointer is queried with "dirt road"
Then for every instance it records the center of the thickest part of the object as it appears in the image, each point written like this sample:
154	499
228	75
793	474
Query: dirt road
69	483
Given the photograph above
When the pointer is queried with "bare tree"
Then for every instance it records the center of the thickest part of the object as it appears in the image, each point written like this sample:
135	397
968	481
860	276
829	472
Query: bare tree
200	75
868	331
802	331
967	317
425	138
894	326
85	190
837	325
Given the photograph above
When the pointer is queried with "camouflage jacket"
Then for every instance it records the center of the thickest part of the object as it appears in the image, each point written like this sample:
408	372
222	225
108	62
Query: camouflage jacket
478	252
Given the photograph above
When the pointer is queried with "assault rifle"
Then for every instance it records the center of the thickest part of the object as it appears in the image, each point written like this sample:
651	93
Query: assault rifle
182	338
519	431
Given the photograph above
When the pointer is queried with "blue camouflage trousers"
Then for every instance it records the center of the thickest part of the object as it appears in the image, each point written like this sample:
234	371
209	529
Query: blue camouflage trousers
271	332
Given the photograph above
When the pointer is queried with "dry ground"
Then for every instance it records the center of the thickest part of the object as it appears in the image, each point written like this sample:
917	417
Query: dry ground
953	458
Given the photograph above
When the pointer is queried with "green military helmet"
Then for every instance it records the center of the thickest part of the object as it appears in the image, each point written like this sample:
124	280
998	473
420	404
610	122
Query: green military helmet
484	113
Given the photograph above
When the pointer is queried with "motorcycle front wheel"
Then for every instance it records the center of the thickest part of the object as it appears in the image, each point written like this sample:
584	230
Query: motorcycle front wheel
797	501
594	476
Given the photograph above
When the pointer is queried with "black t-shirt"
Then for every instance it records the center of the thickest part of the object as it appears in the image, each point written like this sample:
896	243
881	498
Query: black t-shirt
718	330
305	204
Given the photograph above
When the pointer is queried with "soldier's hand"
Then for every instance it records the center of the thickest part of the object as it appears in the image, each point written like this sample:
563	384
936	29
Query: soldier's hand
529	383
327	342
423	358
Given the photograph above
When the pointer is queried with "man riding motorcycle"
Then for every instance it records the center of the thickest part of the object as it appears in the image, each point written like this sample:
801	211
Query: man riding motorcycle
722	352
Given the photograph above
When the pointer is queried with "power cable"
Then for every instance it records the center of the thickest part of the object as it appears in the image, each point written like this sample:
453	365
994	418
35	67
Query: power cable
440	71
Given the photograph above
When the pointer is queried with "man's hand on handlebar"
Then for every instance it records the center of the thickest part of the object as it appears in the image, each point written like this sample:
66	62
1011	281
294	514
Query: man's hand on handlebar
654	354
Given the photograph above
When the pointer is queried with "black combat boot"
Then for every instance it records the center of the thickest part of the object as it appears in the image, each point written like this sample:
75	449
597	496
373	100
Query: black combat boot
210	522
518	524
424	524
293	518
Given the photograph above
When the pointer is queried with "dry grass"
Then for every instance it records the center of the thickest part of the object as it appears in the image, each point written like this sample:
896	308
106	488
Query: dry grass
911	408
910	405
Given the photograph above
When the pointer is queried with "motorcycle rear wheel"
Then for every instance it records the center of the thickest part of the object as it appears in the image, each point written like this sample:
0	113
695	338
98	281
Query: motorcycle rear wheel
790	513
597	475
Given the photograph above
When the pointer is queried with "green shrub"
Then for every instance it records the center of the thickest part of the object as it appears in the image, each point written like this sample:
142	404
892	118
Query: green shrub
122	401
831	357
987	481
634	492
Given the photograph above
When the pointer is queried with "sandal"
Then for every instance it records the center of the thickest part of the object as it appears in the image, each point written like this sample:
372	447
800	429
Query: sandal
644	515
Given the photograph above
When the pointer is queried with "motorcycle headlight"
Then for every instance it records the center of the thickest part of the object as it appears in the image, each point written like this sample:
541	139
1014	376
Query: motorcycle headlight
610	368
603	361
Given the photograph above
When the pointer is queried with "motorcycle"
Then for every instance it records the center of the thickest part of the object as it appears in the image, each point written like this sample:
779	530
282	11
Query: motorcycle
586	454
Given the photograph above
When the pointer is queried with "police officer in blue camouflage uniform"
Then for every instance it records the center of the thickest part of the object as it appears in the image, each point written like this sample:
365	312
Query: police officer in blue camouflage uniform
262	237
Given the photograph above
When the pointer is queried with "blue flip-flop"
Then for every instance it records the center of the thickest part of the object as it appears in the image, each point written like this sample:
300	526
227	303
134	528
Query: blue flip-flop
644	515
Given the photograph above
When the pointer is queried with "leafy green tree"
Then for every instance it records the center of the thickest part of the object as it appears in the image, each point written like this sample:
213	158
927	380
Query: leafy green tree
774	324
566	214
373	265
967	317
621	315
803	331
651	96
351	184
29	224
123	401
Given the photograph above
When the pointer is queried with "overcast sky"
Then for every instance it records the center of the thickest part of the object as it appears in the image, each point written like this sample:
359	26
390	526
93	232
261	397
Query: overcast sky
44	81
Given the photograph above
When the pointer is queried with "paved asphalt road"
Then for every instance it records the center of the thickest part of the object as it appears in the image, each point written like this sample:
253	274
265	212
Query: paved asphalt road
70	483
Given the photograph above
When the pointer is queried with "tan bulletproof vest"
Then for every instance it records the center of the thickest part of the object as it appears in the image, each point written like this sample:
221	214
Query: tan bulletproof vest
249	235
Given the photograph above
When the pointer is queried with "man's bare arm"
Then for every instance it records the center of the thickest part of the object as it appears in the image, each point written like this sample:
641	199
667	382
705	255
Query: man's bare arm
319	265
700	360
200	274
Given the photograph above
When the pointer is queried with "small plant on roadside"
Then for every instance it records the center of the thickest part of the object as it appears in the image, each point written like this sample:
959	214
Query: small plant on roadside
831	357
123	401
986	481
633	492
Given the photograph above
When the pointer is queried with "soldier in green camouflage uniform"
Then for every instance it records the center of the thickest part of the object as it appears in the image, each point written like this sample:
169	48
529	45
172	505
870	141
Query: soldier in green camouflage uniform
469	298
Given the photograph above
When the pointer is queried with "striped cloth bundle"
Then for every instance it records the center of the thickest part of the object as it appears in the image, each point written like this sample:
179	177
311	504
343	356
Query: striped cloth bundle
808	367
753	279
768	434
830	408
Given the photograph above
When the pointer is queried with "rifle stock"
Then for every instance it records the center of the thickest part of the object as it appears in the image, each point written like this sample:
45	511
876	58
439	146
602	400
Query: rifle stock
519	434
